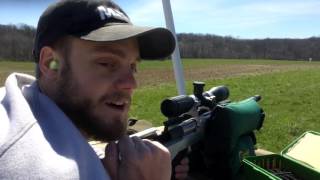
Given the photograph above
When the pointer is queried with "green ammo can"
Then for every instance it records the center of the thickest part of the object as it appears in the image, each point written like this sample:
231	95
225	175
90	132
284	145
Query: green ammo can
299	160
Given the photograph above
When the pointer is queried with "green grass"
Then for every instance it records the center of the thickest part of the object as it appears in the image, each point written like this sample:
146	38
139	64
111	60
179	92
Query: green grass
197	63
8	67
290	97
291	101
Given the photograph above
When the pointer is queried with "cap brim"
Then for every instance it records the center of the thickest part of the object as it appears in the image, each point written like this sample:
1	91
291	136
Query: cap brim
154	43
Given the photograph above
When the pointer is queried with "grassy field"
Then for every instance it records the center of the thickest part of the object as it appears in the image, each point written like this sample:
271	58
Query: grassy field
7	67
289	90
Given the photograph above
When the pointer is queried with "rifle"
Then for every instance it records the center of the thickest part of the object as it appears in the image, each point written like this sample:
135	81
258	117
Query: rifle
209	127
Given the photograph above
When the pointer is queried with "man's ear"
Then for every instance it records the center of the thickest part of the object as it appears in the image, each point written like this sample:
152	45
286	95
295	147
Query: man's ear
48	63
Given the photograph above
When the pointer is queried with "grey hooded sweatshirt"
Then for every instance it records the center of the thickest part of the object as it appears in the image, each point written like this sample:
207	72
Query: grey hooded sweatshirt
37	140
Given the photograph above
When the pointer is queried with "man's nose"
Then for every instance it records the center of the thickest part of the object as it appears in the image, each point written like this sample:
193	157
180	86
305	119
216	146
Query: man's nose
127	81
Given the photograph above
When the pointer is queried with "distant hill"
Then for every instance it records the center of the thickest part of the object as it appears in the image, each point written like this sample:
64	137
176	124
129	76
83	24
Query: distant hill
16	42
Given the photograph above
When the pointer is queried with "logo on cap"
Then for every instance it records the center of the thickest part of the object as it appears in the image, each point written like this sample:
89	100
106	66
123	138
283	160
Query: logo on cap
106	13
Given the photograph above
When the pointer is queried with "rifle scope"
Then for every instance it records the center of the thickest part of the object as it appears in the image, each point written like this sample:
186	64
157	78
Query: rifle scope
175	106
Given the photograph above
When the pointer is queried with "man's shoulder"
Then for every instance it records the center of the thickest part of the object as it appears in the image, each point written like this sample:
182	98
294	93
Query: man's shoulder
40	142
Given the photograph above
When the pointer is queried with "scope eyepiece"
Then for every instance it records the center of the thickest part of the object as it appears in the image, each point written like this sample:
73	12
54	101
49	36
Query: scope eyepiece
177	105
220	92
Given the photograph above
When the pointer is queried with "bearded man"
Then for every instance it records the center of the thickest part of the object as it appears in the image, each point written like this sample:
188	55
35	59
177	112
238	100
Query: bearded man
86	54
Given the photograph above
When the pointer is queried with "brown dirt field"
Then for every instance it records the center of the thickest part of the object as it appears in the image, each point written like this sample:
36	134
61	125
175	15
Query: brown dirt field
157	76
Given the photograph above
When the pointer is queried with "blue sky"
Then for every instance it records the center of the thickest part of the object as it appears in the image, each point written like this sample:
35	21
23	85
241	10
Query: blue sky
237	18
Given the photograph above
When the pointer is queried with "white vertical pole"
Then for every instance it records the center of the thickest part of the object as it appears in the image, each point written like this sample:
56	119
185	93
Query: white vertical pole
176	60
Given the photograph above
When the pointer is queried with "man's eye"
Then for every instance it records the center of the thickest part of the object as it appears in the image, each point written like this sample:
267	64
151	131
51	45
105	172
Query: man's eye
105	64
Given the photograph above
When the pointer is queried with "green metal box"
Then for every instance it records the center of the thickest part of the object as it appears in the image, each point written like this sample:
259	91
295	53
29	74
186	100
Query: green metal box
299	160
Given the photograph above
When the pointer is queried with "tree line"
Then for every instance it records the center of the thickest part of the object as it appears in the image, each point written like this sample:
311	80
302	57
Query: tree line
212	46
16	43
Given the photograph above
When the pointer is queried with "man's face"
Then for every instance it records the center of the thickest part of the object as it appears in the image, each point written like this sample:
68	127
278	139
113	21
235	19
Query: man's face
96	84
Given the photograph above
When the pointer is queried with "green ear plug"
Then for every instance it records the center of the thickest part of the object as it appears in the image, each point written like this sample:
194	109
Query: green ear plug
54	65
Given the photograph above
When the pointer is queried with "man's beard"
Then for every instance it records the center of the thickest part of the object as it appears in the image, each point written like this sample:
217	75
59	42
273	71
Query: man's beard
80	110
